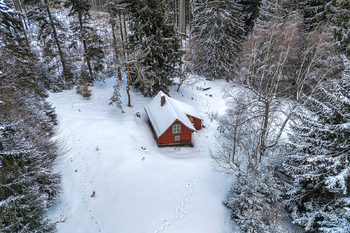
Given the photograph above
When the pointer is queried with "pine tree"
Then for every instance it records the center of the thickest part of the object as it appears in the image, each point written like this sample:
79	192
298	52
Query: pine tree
218	32
155	43
319	160
336	13
83	32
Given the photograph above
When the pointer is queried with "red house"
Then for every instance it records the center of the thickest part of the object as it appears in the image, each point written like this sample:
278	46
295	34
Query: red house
172	121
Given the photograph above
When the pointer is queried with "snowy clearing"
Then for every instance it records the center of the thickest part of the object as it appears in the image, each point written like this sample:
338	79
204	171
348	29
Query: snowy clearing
135	190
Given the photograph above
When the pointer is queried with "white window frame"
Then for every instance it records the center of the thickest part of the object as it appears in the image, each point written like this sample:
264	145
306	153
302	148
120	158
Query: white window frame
176	128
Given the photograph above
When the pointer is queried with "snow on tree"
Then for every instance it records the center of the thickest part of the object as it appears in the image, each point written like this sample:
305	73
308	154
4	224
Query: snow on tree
255	201
336	13
276	66
27	184
85	34
319	160
218	32
49	32
116	97
155	44
250	10
17	62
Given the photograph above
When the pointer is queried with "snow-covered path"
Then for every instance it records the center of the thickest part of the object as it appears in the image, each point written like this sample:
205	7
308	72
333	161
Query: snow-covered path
135	190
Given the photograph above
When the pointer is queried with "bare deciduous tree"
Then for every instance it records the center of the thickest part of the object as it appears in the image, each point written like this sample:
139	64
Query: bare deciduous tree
278	68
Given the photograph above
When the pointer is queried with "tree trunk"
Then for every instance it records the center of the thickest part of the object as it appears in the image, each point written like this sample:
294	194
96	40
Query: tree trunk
182	17
176	13
128	87
125	33
264	130
85	47
121	32
114	39
60	52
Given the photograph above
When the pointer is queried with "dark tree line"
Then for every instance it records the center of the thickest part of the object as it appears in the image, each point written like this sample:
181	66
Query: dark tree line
28	185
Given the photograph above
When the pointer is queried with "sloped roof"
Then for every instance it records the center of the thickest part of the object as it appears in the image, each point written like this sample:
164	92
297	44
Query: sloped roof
162	117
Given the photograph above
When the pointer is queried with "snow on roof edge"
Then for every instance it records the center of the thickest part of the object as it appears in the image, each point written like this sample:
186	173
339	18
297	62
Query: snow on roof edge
162	117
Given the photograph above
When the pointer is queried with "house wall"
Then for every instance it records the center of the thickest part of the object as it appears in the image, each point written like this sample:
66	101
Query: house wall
169	137
197	123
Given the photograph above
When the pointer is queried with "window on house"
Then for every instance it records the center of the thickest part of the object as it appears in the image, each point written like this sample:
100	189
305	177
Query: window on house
177	138
176	128
191	119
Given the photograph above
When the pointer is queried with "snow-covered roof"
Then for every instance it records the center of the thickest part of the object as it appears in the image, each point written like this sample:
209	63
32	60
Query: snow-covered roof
162	117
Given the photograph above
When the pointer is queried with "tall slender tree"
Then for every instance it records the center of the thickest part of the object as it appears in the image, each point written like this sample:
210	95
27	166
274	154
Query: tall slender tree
218	32
49	32
154	39
93	53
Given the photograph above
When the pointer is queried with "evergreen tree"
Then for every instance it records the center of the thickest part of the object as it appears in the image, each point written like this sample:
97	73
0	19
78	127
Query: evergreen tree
218	32
319	160
250	11
17	62
27	184
255	201
155	43
49	28
83	32
336	13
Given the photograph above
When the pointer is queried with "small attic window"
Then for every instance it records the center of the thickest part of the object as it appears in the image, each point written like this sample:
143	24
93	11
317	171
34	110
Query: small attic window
176	128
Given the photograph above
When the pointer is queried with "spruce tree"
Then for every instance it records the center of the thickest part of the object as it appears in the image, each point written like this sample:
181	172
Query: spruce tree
250	11
83	32
335	13
218	32
17	62
27	184
255	201
155	43
49	33
319	160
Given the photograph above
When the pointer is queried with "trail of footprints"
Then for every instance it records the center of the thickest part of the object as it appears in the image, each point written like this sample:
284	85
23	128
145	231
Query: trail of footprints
85	195
180	211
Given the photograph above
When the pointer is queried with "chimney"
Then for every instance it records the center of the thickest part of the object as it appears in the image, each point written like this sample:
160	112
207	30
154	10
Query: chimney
162	101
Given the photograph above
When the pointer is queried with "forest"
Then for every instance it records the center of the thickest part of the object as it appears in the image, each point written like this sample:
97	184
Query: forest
284	137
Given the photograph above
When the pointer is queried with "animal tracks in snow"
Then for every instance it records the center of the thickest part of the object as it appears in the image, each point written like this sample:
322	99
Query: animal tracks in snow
180	211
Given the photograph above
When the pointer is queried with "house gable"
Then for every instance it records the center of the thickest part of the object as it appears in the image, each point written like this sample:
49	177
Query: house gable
169	136
162	117
172	121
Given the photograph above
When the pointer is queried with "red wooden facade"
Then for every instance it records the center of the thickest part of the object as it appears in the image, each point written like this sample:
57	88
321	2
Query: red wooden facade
168	137
197	123
172	121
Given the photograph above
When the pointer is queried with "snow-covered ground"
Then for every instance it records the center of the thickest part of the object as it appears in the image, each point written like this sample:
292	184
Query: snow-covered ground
153	190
